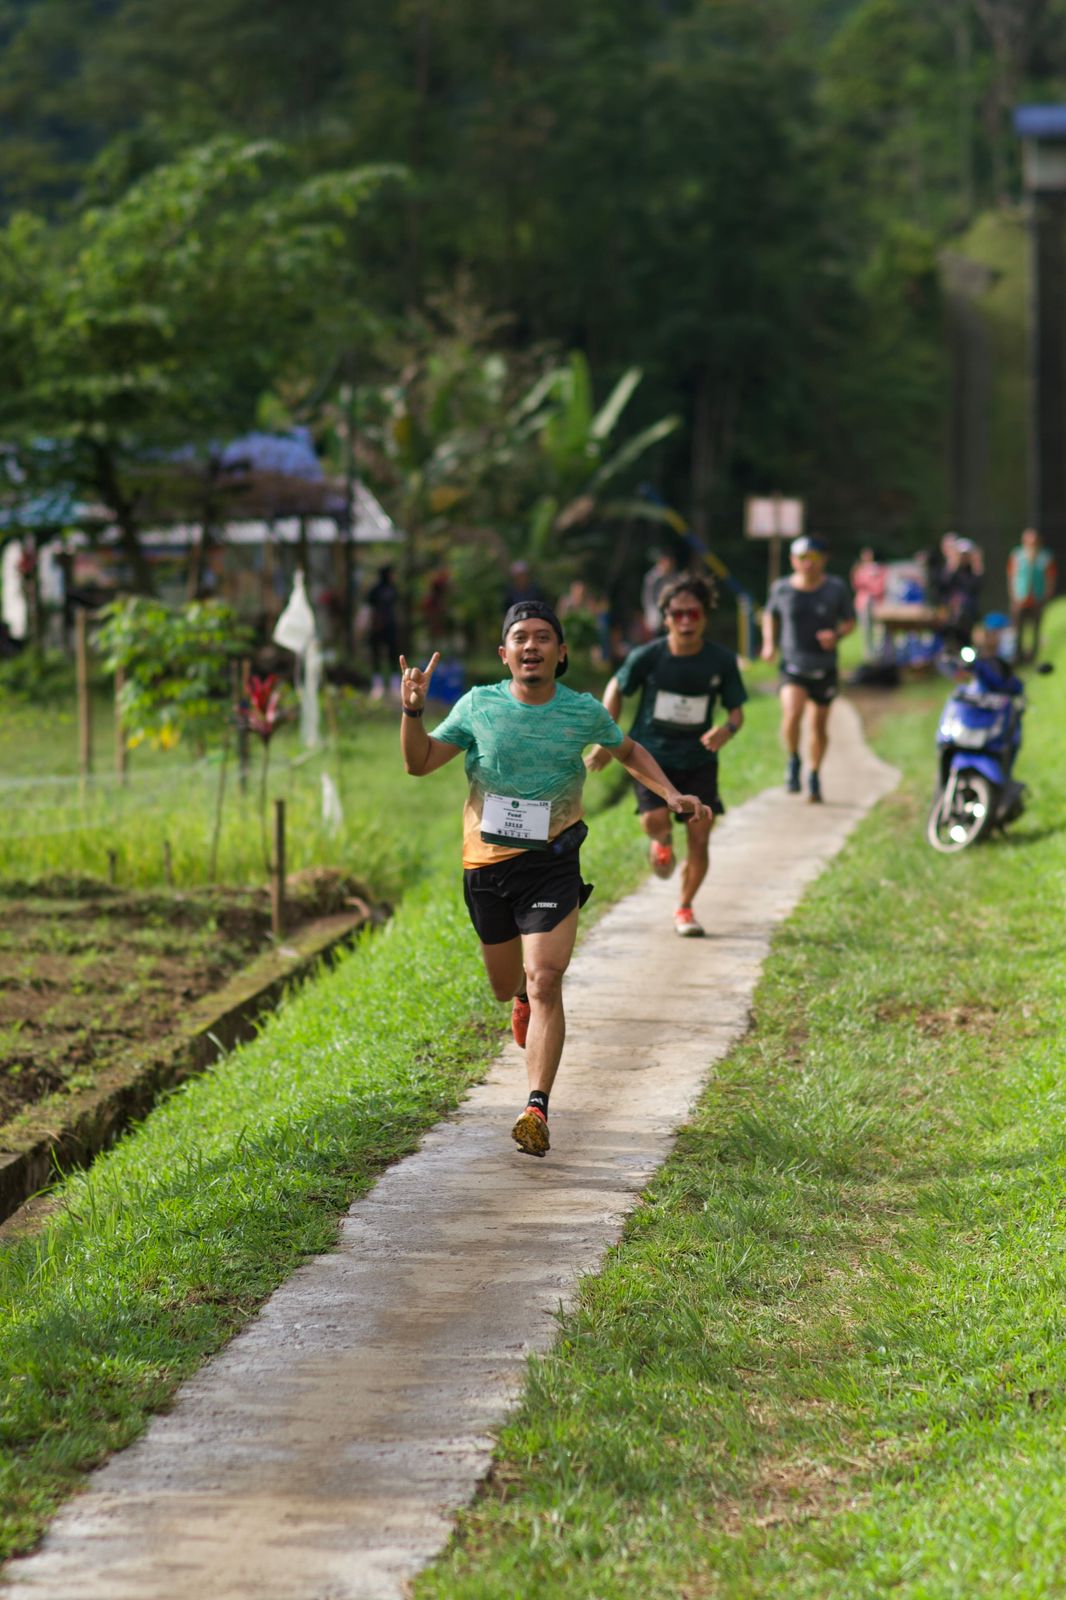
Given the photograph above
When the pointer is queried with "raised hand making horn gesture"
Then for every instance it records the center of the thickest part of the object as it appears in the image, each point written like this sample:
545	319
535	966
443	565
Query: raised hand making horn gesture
415	685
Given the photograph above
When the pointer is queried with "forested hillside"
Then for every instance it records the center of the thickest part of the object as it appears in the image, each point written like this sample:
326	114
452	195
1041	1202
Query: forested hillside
747	200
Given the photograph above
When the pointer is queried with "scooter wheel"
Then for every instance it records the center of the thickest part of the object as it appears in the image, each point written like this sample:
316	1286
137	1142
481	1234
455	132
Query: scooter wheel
961	814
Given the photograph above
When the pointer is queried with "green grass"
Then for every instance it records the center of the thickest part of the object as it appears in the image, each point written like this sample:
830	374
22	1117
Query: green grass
52	825
160	1252
390	832
827	1360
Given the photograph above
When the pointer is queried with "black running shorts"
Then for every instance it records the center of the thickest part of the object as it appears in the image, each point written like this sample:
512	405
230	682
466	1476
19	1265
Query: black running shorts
822	689
701	781
527	893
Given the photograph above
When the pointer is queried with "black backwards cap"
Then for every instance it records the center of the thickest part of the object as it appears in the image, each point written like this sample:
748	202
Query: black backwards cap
523	612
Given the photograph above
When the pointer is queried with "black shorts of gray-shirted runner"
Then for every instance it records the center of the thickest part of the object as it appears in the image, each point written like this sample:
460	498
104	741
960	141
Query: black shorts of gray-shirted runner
700	781
821	688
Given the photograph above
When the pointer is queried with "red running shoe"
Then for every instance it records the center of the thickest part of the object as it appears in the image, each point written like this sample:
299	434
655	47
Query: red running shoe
662	859
685	923
530	1132
520	1021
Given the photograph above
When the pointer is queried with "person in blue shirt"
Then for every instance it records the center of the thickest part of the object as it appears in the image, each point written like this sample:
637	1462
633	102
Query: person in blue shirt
989	669
989	672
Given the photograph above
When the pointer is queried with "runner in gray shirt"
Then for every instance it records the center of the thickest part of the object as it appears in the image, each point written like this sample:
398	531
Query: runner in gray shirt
812	611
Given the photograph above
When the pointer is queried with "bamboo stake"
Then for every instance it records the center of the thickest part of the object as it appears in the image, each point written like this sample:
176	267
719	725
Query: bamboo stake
85	705
219	797
120	732
243	756
277	878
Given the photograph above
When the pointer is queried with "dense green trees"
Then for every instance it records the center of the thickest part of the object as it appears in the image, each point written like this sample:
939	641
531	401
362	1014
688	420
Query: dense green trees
154	325
743	197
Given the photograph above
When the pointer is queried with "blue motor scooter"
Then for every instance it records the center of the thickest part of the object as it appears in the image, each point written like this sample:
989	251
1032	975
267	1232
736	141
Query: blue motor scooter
978	740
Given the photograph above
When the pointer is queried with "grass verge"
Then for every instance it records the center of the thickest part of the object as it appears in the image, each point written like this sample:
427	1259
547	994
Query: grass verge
159	1253
50	827
827	1359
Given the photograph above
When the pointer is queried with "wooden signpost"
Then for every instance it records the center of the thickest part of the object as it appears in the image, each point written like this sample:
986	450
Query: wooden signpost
774	517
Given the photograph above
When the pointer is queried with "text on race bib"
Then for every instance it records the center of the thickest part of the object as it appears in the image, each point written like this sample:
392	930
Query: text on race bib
681	710
522	824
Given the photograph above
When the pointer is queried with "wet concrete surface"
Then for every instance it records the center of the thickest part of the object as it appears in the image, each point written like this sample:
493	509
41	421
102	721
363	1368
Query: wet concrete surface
323	1454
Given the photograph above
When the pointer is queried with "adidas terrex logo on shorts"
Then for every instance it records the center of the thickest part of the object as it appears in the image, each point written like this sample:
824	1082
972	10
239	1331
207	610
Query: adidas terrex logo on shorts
545	905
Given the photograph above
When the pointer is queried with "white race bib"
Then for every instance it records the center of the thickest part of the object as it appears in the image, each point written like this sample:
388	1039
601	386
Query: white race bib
681	710
523	824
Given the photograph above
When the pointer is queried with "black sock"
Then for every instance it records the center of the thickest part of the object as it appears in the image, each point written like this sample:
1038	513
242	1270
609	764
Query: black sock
523	996
539	1098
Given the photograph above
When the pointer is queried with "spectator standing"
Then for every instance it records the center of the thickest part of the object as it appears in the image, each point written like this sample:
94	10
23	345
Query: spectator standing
941	560
435	607
522	590
1032	578
662	572
383	598
961	583
587	619
868	580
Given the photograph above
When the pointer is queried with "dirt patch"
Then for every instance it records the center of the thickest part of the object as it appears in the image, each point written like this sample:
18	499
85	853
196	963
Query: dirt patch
92	977
935	1023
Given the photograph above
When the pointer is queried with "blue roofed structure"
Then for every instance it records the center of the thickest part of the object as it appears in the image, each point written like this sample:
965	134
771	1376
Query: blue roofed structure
45	513
291	455
1040	122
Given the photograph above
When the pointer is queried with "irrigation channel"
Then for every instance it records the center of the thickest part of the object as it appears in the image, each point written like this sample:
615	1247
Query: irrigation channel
324	1453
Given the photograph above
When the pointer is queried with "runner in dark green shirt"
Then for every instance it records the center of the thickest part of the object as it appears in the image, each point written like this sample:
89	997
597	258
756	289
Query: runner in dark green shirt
681	678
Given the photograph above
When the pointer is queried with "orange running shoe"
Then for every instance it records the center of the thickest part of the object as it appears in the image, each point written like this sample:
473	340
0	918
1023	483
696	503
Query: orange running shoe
685	923
520	1021
530	1132
662	859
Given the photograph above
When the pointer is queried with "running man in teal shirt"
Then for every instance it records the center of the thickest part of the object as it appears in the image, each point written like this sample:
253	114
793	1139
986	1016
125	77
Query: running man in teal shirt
523	740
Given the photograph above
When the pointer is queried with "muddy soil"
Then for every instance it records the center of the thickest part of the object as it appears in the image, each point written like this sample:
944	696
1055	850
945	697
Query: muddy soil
91	976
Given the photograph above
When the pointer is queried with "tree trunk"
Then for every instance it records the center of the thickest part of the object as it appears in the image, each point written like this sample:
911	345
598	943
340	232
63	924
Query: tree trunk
419	142
1010	26
209	518
349	568
712	429
964	109
111	493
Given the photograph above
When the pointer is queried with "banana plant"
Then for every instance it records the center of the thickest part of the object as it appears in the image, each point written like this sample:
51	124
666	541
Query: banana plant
577	447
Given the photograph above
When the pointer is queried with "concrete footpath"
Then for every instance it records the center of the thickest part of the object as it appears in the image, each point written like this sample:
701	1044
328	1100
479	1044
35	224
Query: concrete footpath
323	1454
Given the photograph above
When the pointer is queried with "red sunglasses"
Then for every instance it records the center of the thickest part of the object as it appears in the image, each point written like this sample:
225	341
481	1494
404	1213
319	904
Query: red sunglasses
683	613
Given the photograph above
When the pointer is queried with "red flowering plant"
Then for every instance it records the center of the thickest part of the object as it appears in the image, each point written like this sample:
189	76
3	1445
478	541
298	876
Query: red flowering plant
261	712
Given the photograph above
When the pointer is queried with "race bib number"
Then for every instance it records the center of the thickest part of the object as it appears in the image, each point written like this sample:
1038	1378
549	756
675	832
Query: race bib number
680	710
522	824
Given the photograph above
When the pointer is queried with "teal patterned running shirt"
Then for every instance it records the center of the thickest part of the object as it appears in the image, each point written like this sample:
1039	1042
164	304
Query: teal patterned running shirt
528	752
